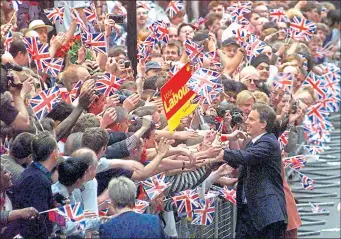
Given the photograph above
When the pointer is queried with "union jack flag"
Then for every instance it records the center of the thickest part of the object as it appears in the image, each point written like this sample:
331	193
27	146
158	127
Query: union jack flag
313	149
57	218
296	162
144	4
227	193
238	17
53	66
283	139
316	208
203	81
241	35
192	49
98	43
331	82
8	40
306	182
254	47
155	185
160	29
70	96
140	206
317	83
86	39
184	201
108	84
44	102
73	212
302	26
213	94
199	22
174	7
317	113
284	81
39	54
278	15
54	14
245	6
331	103
79	21
204	214
90	13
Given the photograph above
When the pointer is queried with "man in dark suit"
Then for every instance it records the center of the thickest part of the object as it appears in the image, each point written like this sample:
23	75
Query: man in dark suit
261	208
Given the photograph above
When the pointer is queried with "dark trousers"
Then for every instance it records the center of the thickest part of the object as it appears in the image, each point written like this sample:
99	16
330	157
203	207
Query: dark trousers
246	229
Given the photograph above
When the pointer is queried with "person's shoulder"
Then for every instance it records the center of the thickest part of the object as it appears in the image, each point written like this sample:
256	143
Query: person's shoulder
270	138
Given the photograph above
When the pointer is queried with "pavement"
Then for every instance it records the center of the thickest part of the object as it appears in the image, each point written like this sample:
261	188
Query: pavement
325	171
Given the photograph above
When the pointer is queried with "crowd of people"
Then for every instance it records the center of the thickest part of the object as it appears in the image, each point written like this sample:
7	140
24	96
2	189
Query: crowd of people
79	127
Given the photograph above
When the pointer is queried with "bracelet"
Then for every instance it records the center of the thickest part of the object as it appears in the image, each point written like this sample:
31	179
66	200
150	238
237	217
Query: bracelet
183	165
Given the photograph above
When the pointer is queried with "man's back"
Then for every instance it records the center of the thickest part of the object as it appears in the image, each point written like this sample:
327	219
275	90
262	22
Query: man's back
32	189
132	225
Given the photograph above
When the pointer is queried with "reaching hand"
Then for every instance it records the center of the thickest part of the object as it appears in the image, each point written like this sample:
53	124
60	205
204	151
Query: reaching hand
141	67
132	165
237	134
224	169
210	137
130	103
109	117
81	55
111	66
213	151
27	86
162	147
87	95
146	121
29	213
111	101
184	135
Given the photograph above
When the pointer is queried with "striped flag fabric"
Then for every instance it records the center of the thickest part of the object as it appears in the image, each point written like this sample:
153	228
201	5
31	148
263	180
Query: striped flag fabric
306	182
283	139
144	4
108	84
317	83
296	162
90	13
278	15
54	14
140	206
204	214
70	96
8	40
98	43
174	7
57	218
155	185
73	212
185	201
53	66
284	81
192	49
44	102
302	27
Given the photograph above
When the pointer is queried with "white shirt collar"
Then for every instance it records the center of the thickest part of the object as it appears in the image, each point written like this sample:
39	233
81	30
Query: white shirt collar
257	138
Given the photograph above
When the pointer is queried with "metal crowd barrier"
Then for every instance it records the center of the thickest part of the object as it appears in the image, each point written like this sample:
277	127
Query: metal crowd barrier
222	226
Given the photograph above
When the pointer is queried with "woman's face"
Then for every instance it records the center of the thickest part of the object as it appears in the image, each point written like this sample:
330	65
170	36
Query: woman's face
285	100
186	32
141	16
263	69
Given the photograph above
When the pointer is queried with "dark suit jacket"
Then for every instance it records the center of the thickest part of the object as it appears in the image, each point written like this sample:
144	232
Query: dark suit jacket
260	174
32	189
132	225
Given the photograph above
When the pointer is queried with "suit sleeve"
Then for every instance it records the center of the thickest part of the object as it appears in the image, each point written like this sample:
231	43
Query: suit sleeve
256	155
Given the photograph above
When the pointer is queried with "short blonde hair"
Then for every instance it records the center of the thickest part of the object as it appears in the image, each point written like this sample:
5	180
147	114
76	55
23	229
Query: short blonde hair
309	89
122	192
244	96
261	97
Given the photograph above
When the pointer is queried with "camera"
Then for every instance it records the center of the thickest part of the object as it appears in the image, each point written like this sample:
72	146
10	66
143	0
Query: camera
117	18
223	107
237	117
7	80
294	107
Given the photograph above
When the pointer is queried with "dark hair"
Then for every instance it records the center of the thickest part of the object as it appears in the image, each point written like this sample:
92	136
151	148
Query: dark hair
211	17
334	17
266	114
47	123
70	170
95	138
85	121
20	147
309	6
17	46
150	83
268	25
60	111
42	146
116	51
136	124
